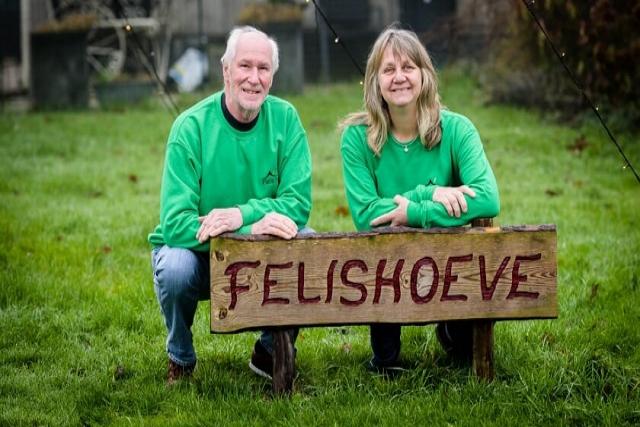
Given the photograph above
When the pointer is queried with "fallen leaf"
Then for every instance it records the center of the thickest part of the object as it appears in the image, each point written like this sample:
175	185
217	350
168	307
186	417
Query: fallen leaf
133	178
578	145
342	211
106	249
548	338
594	291
552	193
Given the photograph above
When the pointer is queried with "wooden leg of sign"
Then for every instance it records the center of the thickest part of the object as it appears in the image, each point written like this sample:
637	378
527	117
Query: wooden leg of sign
482	222
483	332
483	349
284	363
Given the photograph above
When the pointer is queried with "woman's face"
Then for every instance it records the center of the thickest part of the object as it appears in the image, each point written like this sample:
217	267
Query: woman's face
399	78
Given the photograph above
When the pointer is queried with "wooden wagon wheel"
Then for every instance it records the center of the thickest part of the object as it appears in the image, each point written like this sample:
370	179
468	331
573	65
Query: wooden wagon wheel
106	40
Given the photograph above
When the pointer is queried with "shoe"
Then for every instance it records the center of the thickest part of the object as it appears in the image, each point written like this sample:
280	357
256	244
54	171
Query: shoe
261	362
456	339
391	370
178	372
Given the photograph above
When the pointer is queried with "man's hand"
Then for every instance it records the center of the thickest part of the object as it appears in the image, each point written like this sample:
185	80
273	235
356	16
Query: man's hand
396	217
218	221
277	225
452	198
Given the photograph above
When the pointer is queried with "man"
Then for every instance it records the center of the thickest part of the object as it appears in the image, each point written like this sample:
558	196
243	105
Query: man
238	161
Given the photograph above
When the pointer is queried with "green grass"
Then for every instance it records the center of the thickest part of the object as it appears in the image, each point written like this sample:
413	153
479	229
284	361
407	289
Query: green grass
82	338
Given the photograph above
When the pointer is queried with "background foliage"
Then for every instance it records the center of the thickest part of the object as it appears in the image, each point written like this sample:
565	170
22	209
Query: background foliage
601	42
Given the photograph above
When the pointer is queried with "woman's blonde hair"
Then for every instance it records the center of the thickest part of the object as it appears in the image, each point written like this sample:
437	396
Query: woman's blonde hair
376	114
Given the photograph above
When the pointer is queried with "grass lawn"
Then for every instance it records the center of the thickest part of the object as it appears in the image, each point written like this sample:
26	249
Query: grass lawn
82	338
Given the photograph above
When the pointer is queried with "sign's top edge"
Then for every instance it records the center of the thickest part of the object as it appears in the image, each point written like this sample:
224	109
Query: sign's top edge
401	230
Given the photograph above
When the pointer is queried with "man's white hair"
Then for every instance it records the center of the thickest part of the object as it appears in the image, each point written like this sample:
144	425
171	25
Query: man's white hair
232	43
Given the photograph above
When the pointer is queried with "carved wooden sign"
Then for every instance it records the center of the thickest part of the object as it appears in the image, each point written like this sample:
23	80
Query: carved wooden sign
407	276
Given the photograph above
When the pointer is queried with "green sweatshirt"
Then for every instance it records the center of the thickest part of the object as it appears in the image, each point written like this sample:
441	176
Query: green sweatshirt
209	164
371	182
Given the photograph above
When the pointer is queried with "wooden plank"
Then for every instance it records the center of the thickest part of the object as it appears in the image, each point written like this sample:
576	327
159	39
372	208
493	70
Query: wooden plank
396	276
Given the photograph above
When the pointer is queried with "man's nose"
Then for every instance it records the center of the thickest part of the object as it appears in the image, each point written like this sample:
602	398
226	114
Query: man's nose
253	75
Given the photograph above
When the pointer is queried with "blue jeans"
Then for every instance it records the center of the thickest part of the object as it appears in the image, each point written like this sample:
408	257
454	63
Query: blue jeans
181	279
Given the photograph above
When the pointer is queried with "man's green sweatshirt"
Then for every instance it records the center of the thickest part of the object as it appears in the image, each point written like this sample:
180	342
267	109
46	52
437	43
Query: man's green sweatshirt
210	164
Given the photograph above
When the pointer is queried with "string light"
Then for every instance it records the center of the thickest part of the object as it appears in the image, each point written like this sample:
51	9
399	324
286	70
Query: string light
361	82
579	86
337	39
128	28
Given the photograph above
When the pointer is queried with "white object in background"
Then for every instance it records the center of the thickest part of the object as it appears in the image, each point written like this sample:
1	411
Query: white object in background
189	70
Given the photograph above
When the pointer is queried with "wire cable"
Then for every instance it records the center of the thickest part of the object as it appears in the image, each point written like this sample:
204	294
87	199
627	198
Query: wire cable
154	72
529	4
337	38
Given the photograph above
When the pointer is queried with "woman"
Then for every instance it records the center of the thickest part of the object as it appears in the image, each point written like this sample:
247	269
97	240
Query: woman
408	162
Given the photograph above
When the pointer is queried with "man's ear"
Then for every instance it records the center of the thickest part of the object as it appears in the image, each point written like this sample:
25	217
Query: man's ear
225	72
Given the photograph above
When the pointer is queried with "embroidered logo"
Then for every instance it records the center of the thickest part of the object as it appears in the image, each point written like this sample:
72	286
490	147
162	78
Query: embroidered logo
269	179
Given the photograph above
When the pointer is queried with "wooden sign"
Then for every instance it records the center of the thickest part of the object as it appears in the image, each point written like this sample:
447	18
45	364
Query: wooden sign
407	276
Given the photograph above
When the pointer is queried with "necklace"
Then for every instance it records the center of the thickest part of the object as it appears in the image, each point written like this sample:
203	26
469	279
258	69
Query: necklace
405	145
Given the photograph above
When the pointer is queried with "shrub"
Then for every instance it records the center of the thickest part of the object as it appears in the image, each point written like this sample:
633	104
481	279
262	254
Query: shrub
601	42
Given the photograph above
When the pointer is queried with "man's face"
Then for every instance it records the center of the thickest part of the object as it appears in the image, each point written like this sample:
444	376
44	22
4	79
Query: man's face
248	76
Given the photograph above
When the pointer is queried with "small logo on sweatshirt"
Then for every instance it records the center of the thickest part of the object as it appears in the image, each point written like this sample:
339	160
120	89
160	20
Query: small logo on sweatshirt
270	178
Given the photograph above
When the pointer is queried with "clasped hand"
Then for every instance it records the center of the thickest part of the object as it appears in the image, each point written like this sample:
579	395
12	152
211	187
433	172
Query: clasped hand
218	221
277	225
452	198
396	217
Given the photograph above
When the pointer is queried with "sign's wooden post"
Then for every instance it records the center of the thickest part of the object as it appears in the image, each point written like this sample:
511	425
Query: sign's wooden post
284	363
482	358
394	275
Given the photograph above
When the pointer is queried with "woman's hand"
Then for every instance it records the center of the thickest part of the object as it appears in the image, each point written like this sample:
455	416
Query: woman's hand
396	217
452	198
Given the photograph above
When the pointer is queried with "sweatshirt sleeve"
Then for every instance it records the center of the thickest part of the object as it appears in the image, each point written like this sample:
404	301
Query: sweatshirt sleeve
420	193
359	182
293	196
180	198
472	169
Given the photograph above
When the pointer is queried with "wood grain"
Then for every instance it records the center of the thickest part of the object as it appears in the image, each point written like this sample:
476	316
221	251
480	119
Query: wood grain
406	276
